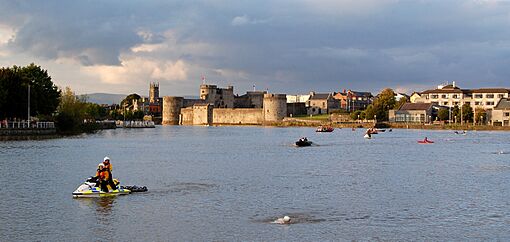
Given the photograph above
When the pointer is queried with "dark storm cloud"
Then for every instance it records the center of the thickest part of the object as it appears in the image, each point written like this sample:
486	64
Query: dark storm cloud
293	46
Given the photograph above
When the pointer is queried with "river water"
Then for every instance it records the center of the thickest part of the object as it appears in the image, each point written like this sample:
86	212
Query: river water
229	183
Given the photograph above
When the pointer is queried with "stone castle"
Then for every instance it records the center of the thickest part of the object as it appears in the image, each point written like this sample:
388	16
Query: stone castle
221	106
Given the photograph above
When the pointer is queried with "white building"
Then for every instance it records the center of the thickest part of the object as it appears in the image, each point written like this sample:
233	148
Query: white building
450	95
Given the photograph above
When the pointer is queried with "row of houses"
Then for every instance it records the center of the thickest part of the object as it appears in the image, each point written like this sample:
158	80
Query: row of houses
423	106
324	103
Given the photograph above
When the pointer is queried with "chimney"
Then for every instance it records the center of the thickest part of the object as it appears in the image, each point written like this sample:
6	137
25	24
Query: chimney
453	84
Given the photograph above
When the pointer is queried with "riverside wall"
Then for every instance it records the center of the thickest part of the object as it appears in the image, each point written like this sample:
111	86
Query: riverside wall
26	132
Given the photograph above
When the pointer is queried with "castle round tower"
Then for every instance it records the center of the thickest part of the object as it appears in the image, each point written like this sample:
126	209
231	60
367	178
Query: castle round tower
275	107
172	110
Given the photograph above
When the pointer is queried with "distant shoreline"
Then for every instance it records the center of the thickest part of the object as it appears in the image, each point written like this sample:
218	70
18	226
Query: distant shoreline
396	126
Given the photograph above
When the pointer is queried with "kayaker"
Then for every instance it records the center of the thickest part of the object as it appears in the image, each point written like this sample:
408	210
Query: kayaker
426	140
108	167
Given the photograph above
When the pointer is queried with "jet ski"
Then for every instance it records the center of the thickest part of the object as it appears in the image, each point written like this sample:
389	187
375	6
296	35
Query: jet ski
90	189
303	142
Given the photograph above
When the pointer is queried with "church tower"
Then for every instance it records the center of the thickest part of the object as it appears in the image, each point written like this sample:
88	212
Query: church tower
154	92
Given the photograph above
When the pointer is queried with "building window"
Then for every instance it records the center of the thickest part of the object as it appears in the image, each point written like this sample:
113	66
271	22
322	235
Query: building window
445	103
444	96
427	97
456	103
489	103
478	95
489	96
506	114
477	103
501	95
435	96
455	96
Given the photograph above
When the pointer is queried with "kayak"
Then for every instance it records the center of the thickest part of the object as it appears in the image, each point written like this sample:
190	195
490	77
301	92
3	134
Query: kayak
425	142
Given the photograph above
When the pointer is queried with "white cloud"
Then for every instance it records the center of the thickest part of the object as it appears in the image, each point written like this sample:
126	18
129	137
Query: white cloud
139	70
244	20
351	7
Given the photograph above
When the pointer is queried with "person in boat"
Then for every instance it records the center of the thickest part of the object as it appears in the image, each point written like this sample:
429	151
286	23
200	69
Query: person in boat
102	177
284	220
108	168
426	140
305	139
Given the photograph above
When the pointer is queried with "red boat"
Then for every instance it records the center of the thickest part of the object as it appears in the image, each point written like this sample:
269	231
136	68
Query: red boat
324	129
425	141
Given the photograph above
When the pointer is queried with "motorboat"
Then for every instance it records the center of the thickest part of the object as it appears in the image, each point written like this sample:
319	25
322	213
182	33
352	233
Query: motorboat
324	129
90	188
303	142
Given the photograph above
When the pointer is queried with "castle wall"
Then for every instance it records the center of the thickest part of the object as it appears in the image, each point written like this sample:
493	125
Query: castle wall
203	114
172	110
187	116
237	116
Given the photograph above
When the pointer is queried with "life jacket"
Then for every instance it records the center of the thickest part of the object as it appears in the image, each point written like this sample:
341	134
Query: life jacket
109	166
103	175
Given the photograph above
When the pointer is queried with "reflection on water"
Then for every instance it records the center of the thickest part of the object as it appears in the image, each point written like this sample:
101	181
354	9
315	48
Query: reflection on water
229	183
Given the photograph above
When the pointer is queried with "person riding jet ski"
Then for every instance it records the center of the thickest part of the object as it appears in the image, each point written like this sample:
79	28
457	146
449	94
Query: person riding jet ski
102	177
108	168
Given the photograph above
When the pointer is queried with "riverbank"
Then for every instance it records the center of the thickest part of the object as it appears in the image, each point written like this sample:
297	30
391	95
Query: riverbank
315	123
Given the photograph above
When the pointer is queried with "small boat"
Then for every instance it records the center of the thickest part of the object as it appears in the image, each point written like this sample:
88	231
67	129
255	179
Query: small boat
324	129
303	142
425	141
89	189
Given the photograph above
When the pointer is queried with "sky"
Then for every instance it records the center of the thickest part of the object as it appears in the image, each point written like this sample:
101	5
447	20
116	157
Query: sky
285	46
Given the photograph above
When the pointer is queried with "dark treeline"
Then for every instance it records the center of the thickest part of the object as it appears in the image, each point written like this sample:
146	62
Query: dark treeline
47	101
14	84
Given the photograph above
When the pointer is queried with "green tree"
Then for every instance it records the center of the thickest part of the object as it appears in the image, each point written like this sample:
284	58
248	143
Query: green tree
356	114
481	116
467	113
370	112
70	112
382	104
443	114
129	99
456	114
95	111
14	83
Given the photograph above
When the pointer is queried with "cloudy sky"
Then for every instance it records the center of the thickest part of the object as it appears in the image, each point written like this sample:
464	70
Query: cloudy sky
286	46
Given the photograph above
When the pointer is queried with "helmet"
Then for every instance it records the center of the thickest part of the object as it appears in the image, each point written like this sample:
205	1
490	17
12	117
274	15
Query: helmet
286	219
100	166
106	158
